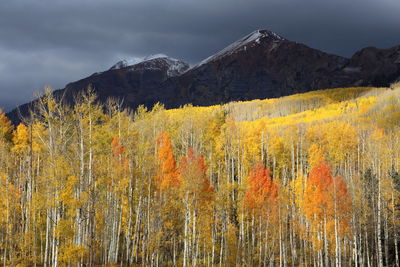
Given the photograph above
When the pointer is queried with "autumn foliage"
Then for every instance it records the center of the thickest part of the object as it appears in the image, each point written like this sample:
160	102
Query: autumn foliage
5	127
318	192
305	180
193	171
326	202
167	175
261	191
116	147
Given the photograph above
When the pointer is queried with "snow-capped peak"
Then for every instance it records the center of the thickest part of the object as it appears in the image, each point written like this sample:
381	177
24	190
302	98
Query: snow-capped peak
151	57
174	66
253	38
120	64
135	60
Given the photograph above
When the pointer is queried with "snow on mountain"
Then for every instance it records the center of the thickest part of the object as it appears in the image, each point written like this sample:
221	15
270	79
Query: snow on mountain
119	65
174	66
177	67
253	38
151	57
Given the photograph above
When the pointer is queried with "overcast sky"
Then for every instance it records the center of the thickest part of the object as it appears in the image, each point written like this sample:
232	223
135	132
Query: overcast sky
53	42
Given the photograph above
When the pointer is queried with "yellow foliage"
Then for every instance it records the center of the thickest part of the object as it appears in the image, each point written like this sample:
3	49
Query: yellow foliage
20	139
315	155
5	127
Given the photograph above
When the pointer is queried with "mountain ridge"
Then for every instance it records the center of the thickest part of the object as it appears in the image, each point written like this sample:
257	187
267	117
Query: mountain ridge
259	65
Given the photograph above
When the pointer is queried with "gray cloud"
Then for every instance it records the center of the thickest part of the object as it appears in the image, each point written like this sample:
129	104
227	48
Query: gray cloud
52	42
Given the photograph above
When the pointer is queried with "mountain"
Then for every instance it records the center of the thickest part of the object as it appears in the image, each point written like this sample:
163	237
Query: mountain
136	84
260	65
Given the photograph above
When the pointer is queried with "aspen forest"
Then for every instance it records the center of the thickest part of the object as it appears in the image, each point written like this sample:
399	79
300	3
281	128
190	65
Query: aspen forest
310	179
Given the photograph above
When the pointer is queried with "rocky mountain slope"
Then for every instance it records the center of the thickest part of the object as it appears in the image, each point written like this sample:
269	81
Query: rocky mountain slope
259	65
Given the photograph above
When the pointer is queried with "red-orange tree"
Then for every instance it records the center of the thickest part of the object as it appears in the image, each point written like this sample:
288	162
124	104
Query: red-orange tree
262	208
318	199
167	209
167	175
261	191
326	204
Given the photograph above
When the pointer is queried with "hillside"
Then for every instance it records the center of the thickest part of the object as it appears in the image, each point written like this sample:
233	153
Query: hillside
260	65
309	179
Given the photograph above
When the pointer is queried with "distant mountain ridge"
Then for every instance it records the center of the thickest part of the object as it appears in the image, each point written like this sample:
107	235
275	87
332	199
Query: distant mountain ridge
260	65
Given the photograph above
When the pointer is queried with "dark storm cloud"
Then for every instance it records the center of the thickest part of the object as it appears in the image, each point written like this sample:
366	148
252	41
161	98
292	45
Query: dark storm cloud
45	42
